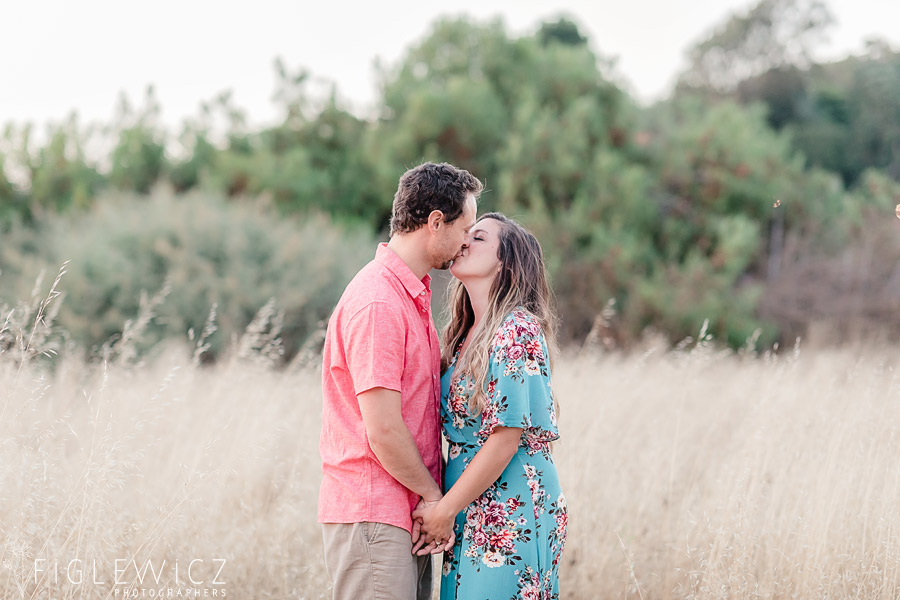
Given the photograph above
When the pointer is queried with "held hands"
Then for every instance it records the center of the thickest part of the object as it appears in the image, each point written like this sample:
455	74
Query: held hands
432	528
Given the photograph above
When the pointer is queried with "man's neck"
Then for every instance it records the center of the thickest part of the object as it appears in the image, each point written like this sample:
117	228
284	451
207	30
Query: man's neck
411	251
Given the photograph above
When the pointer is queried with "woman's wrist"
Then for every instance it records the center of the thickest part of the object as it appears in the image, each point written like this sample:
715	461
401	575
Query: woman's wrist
446	509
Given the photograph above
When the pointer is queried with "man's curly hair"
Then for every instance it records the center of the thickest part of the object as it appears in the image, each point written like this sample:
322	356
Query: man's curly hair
431	187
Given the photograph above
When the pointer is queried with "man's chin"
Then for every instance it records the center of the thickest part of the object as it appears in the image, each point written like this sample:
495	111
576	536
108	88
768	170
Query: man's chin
445	265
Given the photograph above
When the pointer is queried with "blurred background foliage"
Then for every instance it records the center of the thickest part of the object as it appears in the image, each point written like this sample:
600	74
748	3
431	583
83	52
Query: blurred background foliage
759	196
196	253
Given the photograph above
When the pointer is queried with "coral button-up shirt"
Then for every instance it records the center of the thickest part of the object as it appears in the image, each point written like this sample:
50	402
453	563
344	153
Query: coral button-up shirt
381	334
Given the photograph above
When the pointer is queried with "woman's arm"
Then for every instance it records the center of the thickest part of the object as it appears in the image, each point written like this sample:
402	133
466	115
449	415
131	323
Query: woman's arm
485	468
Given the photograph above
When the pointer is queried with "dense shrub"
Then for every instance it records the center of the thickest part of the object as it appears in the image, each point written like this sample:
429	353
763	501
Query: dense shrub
192	253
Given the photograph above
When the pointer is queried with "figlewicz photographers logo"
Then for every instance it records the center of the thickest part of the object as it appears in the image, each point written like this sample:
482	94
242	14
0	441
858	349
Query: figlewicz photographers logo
128	578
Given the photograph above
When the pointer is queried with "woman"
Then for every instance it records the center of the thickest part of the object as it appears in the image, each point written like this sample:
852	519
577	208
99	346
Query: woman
503	500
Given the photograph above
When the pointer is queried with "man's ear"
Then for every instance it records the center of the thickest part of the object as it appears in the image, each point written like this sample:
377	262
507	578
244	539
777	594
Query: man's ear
435	221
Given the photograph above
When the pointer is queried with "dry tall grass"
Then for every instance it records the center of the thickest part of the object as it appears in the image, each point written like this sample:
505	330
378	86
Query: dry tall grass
702	475
689	474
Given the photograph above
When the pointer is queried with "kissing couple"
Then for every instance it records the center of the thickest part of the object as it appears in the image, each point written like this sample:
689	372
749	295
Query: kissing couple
391	386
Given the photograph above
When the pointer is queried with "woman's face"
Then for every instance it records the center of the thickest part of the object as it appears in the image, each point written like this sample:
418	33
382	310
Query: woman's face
479	259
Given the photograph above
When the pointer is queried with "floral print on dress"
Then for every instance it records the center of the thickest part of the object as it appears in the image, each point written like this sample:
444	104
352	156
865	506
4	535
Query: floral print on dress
560	513
531	586
494	529
510	539
537	492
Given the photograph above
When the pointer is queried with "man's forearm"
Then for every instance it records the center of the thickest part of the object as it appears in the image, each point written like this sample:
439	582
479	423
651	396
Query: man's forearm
393	444
398	454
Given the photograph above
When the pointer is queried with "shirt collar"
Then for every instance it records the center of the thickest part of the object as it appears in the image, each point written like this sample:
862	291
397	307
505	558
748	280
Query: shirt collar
414	286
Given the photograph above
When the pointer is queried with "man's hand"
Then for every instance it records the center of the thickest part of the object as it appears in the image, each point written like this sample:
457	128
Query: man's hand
433	528
416	532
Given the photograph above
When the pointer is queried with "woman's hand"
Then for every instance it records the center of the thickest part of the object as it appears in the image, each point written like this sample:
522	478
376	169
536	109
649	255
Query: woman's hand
434	526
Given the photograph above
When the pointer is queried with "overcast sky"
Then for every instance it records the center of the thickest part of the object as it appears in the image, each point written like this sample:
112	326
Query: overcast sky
60	55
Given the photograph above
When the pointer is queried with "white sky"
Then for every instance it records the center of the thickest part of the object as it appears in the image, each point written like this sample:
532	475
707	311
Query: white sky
60	55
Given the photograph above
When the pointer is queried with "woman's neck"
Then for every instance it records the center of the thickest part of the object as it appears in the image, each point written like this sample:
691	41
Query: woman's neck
479	297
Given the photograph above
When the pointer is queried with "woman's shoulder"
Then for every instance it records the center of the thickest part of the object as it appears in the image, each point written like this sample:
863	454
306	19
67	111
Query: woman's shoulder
519	344
517	325
521	316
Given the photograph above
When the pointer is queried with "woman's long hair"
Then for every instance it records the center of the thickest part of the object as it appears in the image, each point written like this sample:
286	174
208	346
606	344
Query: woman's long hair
521	283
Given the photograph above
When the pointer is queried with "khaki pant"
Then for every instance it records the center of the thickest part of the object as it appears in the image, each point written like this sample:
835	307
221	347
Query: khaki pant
374	561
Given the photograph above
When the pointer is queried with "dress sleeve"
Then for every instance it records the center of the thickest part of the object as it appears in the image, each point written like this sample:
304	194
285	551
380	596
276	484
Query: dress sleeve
518	390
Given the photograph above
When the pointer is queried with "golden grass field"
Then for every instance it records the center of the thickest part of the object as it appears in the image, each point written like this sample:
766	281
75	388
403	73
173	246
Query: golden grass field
689	474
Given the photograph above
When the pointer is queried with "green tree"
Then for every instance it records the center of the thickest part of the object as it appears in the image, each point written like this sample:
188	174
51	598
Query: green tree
784	92
772	34
138	159
463	92
875	105
562	31
851	115
443	101
13	205
60	175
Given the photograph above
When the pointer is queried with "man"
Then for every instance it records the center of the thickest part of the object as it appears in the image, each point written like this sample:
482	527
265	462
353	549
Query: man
380	444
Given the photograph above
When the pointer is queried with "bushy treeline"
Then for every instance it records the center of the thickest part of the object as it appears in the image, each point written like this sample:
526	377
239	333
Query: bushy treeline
695	209
843	116
189	266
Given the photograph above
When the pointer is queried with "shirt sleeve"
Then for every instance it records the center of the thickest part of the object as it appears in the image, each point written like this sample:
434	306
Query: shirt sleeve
518	383
375	344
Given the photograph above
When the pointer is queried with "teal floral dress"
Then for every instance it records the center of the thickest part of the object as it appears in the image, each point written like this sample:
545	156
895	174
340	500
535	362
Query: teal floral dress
509	540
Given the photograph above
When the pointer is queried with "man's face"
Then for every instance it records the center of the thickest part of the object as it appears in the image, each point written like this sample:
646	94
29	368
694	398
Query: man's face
452	236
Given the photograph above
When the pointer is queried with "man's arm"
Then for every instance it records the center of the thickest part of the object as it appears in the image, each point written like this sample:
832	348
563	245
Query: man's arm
393	444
